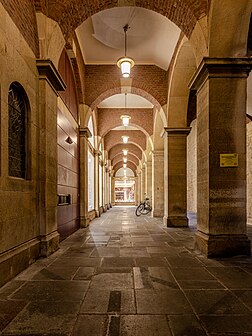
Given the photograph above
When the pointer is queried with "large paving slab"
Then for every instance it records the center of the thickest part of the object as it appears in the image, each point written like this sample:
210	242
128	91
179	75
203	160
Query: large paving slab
129	276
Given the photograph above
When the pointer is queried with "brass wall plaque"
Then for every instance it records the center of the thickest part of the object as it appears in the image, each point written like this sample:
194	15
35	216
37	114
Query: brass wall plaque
229	160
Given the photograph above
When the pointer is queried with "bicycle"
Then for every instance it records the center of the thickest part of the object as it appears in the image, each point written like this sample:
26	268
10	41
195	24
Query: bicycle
144	207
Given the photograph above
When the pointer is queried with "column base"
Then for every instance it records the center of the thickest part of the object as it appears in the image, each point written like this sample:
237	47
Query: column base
49	243
84	222
157	213
222	245
175	221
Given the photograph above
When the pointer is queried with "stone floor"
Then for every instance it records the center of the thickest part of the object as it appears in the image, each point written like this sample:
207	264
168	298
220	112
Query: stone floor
129	276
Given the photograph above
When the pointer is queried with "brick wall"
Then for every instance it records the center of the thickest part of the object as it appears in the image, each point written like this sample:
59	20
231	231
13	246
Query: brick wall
22	13
130	165
103	81
110	118
113	138
130	158
71	13
132	149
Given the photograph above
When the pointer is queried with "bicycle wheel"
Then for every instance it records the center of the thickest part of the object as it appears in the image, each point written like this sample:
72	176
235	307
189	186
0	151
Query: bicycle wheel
146	210
139	209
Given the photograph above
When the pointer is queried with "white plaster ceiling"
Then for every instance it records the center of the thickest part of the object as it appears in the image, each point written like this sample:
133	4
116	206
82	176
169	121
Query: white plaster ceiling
132	101
151	38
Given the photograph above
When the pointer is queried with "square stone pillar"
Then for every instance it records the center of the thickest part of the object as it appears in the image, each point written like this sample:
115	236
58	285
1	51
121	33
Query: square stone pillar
136	195
139	190
112	190
104	185
50	83
97	154
143	184
84	134
158	184
175	186
221	86
148	178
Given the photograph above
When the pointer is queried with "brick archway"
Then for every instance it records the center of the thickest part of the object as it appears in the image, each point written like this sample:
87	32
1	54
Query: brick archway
105	83
71	13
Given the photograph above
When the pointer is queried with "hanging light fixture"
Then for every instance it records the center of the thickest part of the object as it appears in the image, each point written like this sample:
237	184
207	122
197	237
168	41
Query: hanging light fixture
125	152
125	118
125	165
125	63
125	160
125	138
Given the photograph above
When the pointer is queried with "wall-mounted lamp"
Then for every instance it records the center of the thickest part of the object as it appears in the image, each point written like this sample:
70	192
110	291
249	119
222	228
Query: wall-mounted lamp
69	140
125	152
125	138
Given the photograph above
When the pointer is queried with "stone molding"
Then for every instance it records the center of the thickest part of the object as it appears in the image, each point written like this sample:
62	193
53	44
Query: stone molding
47	71
176	131
220	68
85	132
157	153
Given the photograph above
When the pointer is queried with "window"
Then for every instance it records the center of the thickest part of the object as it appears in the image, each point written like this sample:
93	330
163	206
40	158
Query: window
17	130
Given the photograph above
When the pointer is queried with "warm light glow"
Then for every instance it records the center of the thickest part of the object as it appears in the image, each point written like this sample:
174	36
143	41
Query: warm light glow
124	159
125	138
125	152
125	165
125	120
125	64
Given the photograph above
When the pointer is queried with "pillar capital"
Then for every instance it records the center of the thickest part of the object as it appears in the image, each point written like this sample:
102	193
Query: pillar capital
220	68
157	153
176	131
47	71
85	132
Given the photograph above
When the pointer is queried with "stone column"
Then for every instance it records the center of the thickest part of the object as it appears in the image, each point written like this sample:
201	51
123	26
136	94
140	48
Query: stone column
97	154
158	183
221	86
139	190
50	83
148	170
175	186
143	184
84	134
112	190
104	185
136	190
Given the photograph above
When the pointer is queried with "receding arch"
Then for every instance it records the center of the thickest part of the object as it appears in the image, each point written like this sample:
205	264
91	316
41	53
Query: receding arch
229	25
183	68
132	149
70	14
130	165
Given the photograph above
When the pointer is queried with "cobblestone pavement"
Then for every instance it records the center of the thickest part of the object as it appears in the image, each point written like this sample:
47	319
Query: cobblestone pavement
129	276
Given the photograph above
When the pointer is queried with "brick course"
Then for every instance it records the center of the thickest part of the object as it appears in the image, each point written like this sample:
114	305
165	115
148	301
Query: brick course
130	165
132	149
103	81
71	13
23	15
113	138
108	118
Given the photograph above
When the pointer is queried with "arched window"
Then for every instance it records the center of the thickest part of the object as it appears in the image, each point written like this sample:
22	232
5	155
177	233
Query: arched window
17	130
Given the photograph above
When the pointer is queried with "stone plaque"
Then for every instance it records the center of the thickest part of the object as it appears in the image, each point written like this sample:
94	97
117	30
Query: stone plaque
229	160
